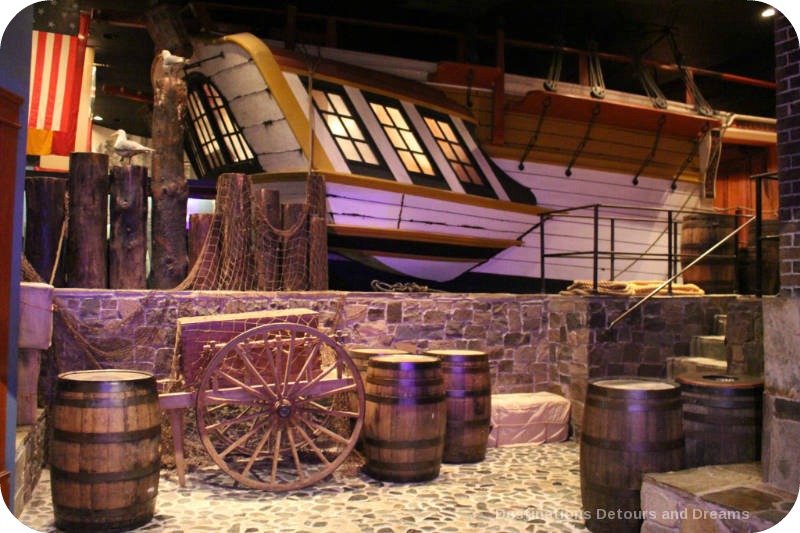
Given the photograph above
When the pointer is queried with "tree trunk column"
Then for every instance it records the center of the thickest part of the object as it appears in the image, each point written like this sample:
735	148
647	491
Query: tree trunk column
87	257
170	191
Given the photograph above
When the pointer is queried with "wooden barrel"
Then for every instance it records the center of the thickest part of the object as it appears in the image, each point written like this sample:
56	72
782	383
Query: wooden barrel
770	261
405	417
468	388
721	418
716	273
104	449
630	426
361	356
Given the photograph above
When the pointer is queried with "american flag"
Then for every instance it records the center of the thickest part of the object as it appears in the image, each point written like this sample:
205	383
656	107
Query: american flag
60	33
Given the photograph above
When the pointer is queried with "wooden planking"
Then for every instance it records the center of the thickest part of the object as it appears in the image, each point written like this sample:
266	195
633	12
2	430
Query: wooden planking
587	187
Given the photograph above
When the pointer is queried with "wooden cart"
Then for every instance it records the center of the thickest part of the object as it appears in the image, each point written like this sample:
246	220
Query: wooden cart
279	405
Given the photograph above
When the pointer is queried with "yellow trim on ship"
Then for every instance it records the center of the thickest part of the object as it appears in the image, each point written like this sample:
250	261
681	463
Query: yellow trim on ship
279	87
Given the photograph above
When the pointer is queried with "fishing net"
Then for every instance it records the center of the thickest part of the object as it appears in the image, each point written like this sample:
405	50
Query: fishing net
256	243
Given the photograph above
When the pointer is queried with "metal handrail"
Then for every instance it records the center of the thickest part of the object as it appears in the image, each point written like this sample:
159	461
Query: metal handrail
675	276
596	253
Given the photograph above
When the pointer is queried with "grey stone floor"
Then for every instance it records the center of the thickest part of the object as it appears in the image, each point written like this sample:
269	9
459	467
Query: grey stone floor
532	488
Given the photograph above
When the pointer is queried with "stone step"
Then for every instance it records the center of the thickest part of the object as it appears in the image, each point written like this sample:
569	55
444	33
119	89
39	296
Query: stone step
685	365
711	346
712	498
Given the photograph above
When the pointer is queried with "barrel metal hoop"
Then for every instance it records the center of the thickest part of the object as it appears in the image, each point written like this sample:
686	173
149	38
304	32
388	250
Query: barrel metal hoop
104	477
628	446
106	438
456	370
414	400
715	419
406	382
617	405
404	365
479	422
468	393
415	467
145	383
110	402
404	444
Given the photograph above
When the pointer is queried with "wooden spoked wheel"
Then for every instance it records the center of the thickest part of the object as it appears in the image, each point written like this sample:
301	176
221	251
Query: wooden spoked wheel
279	408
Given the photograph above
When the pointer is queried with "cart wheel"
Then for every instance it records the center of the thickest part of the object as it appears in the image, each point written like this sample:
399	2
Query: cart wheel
280	407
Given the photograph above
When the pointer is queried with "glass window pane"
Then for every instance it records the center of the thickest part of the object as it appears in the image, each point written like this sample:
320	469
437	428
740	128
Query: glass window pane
348	149
460	172
411	141
448	132
395	138
339	105
473	174
352	128
462	155
322	102
448	150
335	125
424	164
408	161
380	112
434	127
366	153
397	118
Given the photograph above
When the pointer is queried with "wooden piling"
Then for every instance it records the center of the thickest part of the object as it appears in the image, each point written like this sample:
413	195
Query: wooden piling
128	243
87	252
44	219
267	219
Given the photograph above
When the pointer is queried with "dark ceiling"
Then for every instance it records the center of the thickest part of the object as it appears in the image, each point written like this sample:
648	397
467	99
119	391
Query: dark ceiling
720	35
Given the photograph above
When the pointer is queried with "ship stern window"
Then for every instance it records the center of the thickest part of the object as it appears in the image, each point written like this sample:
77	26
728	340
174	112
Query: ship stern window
214	142
348	132
457	155
415	158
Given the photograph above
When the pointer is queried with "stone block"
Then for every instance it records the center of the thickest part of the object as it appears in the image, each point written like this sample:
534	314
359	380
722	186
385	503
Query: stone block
781	330
782	433
661	505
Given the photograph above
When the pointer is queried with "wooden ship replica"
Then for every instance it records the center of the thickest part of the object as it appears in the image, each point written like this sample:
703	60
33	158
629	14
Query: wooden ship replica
452	172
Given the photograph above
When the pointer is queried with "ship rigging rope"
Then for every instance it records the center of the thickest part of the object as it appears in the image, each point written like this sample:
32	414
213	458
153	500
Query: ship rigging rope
596	80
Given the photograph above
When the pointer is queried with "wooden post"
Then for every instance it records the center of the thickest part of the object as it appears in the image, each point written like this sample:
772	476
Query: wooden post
318	254
87	251
199	226
294	273
169	258
44	219
318	234
267	218
28	366
128	245
236	260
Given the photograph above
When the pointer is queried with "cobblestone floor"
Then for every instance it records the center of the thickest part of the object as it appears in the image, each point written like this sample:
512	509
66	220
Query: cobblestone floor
533	488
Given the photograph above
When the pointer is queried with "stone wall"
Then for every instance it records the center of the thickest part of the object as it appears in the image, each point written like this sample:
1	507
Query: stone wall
535	342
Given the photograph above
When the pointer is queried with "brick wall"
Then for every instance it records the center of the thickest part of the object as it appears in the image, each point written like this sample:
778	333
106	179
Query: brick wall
787	75
781	315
